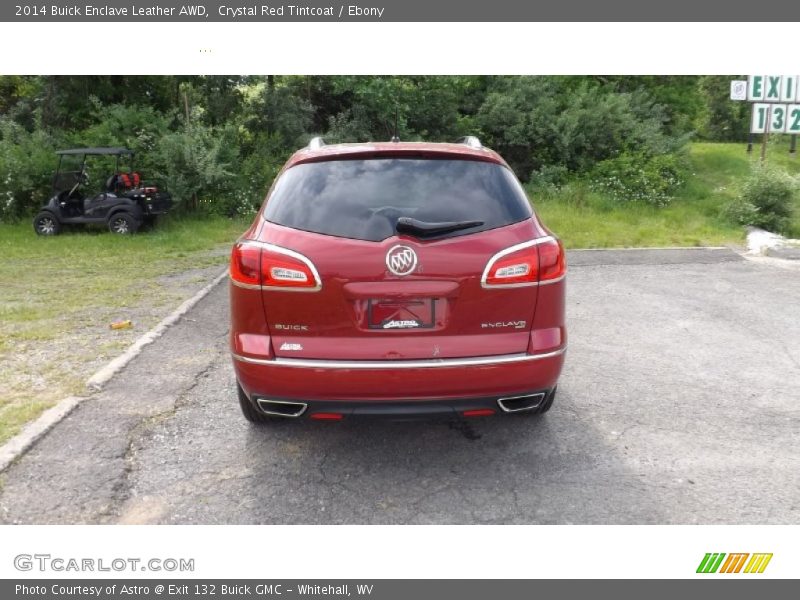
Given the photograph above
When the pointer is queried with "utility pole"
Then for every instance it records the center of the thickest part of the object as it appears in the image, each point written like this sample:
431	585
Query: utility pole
765	137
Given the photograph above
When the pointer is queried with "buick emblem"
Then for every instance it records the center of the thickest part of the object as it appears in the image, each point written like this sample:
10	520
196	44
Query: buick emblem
401	260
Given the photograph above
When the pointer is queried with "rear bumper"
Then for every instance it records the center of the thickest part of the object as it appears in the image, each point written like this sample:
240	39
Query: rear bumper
399	388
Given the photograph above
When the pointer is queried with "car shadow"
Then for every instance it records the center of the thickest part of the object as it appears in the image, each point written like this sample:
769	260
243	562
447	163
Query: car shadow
554	468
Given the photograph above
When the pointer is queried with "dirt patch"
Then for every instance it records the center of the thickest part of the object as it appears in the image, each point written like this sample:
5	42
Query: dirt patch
49	354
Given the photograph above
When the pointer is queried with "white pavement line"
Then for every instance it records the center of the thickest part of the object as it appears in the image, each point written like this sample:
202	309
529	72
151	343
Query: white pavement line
101	377
626	248
21	442
17	445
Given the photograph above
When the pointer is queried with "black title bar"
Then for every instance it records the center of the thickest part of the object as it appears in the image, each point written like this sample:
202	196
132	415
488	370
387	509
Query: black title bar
402	11
392	589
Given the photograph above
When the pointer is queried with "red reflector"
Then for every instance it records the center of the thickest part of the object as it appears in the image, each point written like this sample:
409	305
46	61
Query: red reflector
478	412
323	416
245	260
552	261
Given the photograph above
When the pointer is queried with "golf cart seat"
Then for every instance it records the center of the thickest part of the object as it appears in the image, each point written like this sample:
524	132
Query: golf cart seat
123	181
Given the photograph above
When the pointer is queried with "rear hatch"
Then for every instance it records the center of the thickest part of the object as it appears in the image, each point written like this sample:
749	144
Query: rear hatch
394	251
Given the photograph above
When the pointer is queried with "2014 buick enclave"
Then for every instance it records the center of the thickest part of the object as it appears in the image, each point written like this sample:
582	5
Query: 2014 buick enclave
396	279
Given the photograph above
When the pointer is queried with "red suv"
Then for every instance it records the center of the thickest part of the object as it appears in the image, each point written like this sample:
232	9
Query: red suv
396	279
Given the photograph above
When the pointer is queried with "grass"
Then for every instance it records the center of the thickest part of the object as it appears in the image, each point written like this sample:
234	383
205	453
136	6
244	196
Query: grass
58	295
585	219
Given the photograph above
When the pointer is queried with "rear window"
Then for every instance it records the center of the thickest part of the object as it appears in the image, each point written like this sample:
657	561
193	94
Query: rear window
362	199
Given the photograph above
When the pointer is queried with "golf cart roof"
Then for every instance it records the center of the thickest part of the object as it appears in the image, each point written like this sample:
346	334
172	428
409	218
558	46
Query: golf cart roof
101	151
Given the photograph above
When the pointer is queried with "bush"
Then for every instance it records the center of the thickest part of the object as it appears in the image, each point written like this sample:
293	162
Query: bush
27	163
550	121
195	161
639	178
765	201
549	177
255	175
741	212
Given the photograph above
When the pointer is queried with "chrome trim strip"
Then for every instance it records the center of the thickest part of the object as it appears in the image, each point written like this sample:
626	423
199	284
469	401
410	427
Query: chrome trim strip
285	251
507	251
514	410
475	361
556	280
246	286
303	406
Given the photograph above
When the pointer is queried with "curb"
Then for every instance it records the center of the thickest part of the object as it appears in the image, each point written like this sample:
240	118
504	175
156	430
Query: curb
101	377
26	438
33	431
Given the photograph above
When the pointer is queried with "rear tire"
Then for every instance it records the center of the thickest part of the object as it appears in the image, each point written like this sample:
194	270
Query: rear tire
46	223
250	412
122	224
548	402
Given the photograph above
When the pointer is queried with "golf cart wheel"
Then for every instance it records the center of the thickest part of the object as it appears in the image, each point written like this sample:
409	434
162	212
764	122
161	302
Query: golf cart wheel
46	223
122	224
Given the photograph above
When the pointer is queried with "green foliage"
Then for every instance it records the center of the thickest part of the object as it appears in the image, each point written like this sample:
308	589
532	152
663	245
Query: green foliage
721	119
766	200
678	96
137	127
255	174
26	167
543	121
549	177
196	159
638	178
272	109
240	129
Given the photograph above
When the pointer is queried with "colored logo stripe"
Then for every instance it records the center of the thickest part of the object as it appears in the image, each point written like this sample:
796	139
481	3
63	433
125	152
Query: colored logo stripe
758	563
710	562
733	564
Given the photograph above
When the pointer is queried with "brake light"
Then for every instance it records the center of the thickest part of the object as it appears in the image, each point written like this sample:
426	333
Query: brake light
530	263
259	265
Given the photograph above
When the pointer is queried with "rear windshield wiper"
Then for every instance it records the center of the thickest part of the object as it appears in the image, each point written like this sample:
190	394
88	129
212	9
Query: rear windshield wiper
424	229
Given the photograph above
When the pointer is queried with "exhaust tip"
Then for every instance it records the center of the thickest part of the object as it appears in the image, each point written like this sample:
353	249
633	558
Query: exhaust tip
281	408
514	404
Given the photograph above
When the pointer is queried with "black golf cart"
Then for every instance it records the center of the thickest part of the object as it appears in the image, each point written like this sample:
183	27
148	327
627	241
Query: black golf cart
123	203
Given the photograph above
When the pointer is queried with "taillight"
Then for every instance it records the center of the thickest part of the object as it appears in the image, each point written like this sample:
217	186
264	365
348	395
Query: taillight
244	269
284	271
514	266
530	263
264	266
552	261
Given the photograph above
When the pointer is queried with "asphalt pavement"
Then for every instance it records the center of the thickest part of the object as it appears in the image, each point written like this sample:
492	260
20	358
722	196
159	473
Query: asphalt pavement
679	403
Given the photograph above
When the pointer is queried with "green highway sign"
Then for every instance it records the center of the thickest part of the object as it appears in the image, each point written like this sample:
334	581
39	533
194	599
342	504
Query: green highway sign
775	118
776	103
773	88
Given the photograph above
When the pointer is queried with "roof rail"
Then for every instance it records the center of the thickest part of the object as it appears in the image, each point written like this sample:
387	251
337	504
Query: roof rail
470	140
316	143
